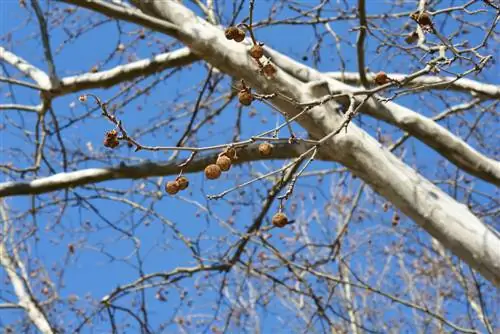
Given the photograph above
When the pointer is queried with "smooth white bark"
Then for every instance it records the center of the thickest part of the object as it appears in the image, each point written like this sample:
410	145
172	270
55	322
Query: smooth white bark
447	220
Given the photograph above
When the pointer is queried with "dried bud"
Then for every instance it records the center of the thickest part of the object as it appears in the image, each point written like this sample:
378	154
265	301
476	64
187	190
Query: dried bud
82	98
411	38
182	182
224	163
257	51
172	187
280	220
381	78
212	172
269	70
230	152
111	139
395	219
245	97
265	149
94	69
385	207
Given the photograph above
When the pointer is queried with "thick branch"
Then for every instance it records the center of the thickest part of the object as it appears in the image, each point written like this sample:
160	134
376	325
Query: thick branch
428	82
426	130
144	170
127	72
447	220
39	76
20	284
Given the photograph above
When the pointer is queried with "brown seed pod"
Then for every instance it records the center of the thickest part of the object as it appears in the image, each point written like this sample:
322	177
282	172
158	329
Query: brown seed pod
257	51
224	163
212	172
182	182
111	142
265	149
269	70
411	38
82	98
381	78
231	32
423	19
280	220
240	35
172	187
94	69
245	97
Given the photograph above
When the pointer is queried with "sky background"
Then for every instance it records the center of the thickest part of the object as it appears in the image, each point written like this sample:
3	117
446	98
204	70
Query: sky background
90	271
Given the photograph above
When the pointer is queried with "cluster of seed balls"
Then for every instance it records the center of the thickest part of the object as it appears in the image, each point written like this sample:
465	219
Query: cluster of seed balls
256	52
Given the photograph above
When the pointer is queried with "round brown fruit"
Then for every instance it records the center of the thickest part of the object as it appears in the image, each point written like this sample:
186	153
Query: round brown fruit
269	70
240	35
224	163
231	32
265	149
245	97
257	51
212	172
280	220
172	187
381	78
182	182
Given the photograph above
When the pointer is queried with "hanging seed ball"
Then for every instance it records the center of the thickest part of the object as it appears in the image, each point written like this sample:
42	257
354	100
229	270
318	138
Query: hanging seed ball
111	143
240	35
265	149
280	220
172	187
411	38
231	32
182	182
245	97
212	172
381	78
224	163
269	70
424	19
257	51
94	69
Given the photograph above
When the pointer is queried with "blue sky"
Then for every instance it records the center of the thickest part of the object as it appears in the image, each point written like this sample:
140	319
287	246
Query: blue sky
89	271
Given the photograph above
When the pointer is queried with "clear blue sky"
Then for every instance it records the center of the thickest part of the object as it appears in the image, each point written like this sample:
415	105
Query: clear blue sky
91	272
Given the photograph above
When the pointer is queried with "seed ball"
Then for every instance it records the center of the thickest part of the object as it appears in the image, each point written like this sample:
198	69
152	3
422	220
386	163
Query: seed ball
182	182
111	142
231	32
224	163
212	172
257	51
280	220
412	38
172	187
381	78
245	97
265	149
240	35
94	69
269	70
